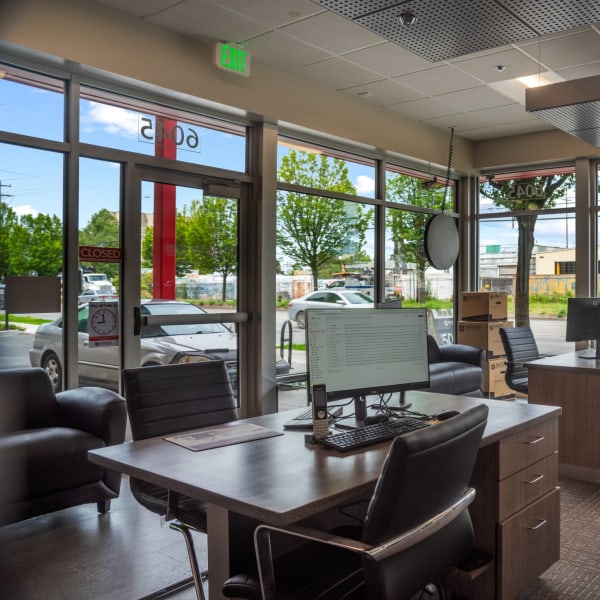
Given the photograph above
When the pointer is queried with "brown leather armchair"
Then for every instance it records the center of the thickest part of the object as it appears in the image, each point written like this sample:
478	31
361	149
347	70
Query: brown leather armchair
44	441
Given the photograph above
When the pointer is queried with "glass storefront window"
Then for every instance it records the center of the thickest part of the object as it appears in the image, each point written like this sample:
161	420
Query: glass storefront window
325	168
409	276
31	246
22	94
127	124
529	251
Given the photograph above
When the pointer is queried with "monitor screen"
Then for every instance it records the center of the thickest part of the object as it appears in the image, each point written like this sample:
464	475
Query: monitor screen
366	351
583	322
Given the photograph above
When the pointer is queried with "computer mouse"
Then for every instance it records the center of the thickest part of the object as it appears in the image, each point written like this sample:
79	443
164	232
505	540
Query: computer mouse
372	419
446	414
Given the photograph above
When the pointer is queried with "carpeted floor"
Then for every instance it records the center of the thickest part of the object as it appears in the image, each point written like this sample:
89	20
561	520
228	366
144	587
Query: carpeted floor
576	576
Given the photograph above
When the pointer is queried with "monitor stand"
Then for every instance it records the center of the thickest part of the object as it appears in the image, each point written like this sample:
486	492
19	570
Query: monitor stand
591	353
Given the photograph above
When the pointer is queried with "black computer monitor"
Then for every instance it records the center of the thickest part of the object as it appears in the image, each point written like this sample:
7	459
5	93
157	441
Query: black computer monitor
583	324
366	351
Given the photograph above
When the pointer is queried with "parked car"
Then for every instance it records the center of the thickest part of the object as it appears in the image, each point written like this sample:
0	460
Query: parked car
327	299
91	296
160	345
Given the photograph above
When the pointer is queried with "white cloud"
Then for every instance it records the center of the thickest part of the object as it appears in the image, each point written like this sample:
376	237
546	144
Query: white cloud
113	119
365	185
26	209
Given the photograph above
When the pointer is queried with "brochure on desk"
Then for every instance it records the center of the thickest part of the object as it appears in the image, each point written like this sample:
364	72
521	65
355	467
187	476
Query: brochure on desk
226	434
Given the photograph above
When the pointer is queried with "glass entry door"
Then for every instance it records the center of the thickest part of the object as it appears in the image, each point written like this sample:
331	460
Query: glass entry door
181	270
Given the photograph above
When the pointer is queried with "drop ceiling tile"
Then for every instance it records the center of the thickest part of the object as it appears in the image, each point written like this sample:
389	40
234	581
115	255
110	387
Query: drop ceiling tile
388	59
425	108
337	73
484	66
136	8
439	80
202	19
383	92
272	13
283	52
332	33
474	99
570	73
563	51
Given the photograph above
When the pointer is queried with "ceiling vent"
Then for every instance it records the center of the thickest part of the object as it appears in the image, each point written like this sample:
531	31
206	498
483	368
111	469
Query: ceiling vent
573	106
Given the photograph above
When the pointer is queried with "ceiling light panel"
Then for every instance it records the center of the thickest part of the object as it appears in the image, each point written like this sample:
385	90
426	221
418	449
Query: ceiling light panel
446	29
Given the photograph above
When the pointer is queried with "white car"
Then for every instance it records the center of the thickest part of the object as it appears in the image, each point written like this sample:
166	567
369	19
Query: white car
160	345
327	299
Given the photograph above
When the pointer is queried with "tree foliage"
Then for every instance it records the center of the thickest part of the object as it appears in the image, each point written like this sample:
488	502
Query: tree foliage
314	230
35	246
519	195
102	230
406	228
210	235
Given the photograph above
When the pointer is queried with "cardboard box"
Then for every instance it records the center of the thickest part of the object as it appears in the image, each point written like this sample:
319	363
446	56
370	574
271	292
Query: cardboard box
483	334
483	306
494	382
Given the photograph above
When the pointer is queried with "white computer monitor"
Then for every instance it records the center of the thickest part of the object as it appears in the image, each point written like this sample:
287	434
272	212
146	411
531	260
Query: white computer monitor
366	351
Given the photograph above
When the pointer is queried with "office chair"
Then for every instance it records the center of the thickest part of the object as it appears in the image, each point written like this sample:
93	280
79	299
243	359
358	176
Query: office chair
167	399
416	527
520	347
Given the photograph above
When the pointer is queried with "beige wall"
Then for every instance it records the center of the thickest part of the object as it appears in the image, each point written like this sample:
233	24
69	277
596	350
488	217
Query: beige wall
92	35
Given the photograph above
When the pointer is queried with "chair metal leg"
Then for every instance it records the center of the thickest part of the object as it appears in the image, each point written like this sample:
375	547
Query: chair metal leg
189	541
197	574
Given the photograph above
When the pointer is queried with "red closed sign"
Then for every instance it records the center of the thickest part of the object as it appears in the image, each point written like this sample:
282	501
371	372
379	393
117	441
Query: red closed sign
99	254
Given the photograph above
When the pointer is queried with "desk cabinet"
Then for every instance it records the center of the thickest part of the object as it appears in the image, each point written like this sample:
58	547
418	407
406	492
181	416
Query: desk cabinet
516	515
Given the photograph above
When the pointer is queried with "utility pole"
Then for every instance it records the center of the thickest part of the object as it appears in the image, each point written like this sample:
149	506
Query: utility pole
3	243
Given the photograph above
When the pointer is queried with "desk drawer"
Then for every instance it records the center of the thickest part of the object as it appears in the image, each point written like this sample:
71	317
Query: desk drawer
528	544
527	447
526	486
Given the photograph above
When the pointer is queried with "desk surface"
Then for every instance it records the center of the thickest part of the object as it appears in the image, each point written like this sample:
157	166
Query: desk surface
279	480
570	361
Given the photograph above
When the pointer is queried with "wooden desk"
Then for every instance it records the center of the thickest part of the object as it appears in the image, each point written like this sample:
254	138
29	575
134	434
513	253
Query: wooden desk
279	480
573	383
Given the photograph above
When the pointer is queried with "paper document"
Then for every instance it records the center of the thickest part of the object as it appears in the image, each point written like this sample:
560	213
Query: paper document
234	432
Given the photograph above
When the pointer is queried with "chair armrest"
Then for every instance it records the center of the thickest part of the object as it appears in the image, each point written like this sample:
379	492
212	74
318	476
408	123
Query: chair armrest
407	539
94	410
463	353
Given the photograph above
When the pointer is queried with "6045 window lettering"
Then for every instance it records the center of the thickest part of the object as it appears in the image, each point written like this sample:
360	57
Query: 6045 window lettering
180	135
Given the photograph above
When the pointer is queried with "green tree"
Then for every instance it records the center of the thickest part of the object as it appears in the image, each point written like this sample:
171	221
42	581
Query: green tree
314	230
210	236
527	194
406	228
8	221
35	245
102	230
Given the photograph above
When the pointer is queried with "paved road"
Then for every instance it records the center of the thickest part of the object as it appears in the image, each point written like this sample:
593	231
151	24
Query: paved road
549	333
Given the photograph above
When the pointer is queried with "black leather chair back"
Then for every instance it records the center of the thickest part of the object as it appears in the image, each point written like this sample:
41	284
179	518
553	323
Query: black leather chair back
173	398
520	347
425	472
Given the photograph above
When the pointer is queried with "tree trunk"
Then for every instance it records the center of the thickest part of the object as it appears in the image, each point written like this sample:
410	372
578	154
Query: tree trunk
224	290
526	225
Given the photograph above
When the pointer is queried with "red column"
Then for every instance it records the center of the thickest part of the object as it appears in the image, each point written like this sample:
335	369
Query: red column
165	211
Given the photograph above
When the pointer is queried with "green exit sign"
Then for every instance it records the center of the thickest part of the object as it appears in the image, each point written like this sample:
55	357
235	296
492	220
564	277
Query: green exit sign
234	59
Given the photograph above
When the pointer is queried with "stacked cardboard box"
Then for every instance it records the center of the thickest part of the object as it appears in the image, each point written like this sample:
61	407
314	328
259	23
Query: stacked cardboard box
482	315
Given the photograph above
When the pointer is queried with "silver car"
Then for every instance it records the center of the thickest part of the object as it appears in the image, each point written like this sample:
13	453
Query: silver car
160	345
327	299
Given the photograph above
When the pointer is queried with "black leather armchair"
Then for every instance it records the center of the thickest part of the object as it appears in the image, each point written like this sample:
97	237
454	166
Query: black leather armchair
456	369
44	441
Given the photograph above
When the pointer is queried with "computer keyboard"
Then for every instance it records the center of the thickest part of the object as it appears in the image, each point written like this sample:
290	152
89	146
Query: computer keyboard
371	434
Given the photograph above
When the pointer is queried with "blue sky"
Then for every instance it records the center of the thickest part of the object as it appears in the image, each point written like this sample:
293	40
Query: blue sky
32	179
